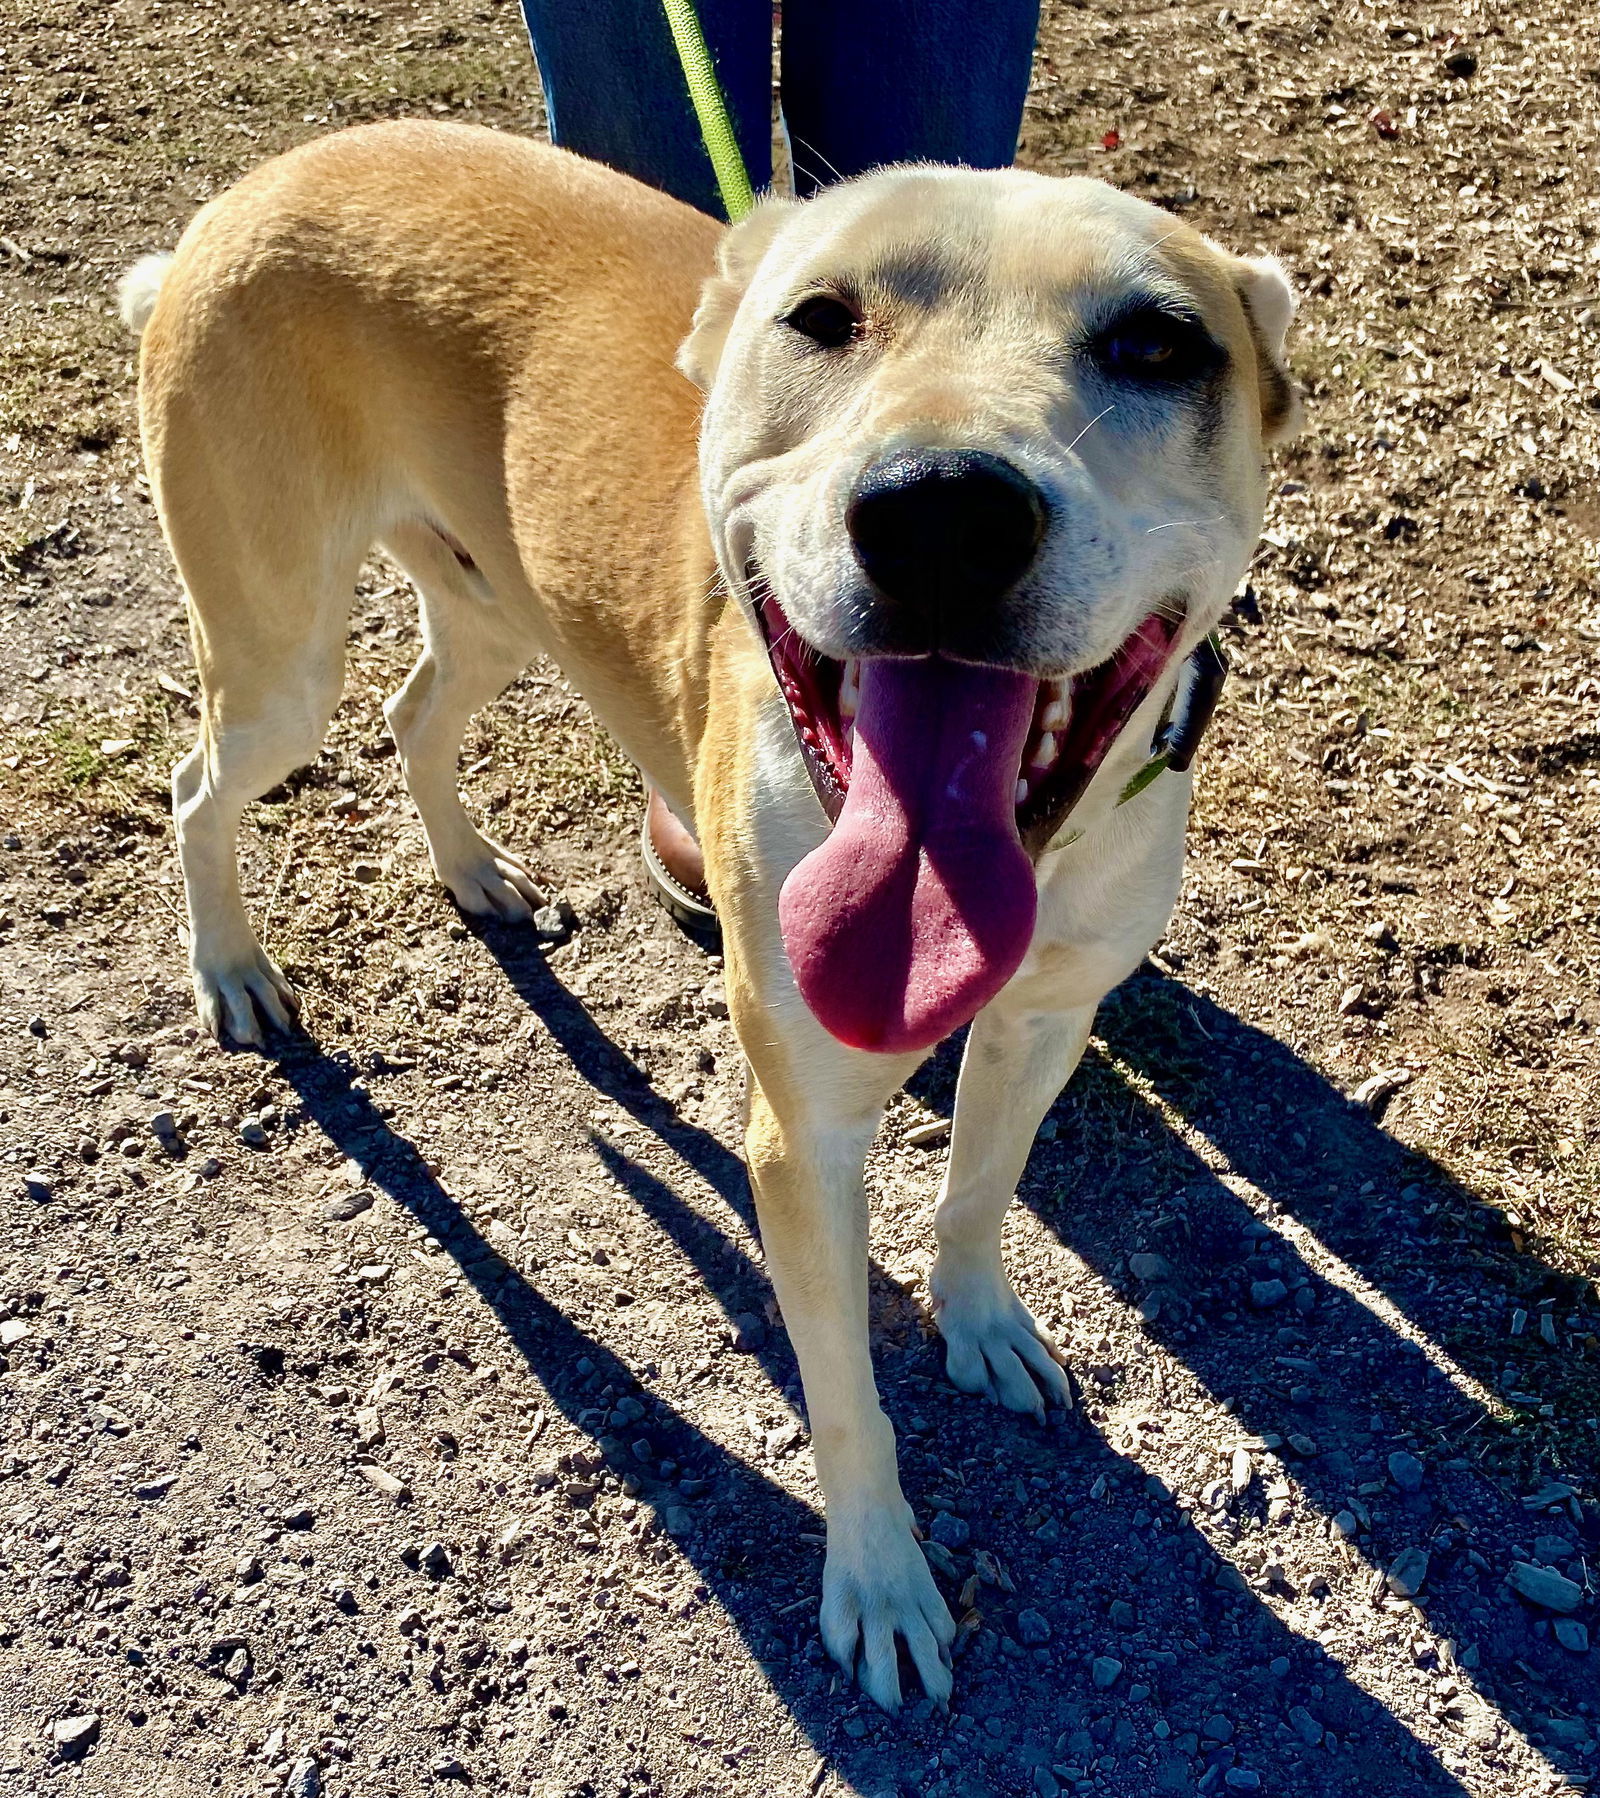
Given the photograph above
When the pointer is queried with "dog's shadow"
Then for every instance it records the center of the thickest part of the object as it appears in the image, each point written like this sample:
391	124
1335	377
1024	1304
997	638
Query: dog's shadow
1076	1523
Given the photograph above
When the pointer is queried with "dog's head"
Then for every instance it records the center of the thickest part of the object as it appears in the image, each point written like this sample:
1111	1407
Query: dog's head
983	457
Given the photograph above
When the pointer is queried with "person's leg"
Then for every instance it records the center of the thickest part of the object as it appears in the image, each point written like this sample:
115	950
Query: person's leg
903	81
615	91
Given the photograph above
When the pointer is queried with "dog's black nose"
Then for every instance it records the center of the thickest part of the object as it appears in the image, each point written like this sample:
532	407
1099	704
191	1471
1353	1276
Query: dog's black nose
928	525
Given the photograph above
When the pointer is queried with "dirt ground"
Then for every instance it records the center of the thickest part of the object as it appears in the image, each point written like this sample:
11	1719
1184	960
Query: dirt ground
414	1416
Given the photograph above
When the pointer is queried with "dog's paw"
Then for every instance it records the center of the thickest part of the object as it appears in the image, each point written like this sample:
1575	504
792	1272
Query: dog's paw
877	1591
490	882
993	1343
235	1001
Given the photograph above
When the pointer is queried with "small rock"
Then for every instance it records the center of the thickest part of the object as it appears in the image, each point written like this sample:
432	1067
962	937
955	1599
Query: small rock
950	1531
749	1333
163	1124
382	1481
1572	1635
299	1517
1347	1526
347	1205
72	1735
1105	1671
1264	1294
37	1188
1123	1614
1543	1586
1304	1446
1406	1576
305	1779
1044	1783
38	1027
210	1168
1149	1267
1242	1779
1304	1725
373	1274
156	1488
447	1767
369	1428
1033	1628
1375	1092
924	1136
1406	1471
435	1557
1217	1728
253	1137
550	926
12	1331
940	1559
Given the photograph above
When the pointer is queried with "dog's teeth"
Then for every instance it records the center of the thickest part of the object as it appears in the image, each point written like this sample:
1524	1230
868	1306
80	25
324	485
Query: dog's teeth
1054	714
1045	754
850	689
1022	792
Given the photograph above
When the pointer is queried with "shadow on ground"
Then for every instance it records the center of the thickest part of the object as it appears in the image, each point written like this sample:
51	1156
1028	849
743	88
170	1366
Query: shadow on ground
1078	1526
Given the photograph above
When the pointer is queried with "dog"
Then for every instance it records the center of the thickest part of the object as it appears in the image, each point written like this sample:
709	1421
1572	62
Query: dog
980	464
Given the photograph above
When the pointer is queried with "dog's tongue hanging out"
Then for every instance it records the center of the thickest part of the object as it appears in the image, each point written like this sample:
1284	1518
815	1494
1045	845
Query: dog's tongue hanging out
920	904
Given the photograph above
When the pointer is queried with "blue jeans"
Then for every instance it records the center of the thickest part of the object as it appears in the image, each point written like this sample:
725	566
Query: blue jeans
864	82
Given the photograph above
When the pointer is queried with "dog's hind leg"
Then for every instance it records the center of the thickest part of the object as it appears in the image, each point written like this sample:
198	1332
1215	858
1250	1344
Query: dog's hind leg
269	640
1015	1064
469	656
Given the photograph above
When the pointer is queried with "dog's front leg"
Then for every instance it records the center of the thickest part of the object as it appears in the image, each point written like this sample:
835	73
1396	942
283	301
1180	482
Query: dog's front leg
1016	1062
806	1149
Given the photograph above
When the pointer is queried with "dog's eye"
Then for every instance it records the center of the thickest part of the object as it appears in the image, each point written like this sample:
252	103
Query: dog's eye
1157	346
826	319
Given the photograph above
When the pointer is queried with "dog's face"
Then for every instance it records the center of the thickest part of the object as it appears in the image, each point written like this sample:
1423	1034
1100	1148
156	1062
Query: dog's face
989	421
995	415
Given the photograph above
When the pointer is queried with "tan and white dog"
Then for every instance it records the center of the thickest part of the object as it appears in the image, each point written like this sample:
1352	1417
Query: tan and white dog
980	461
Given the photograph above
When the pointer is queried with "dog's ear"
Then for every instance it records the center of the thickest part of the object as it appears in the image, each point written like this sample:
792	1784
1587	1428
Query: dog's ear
1269	305
742	247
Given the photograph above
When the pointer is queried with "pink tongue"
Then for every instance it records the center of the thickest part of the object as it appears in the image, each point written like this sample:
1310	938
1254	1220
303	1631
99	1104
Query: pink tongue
917	909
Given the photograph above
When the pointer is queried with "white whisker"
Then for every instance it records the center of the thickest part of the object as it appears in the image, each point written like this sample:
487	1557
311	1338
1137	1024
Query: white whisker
1087	429
1179	524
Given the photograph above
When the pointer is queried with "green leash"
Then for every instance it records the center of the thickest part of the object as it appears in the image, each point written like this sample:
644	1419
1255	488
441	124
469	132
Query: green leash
710	108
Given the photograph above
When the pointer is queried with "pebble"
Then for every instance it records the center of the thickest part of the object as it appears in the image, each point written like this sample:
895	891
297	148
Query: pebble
1572	1635
1033	1628
12	1331
549	925
749	1333
381	1480
374	1273
163	1124
347	1205
1408	1572
924	1136
1345	1523
305	1779
1264	1294
73	1734
1149	1267
1406	1471
950	1531
436	1558
299	1517
1218	1728
1105	1671
1305	1725
1545	1587
252	1135
1242	1779
38	1027
156	1488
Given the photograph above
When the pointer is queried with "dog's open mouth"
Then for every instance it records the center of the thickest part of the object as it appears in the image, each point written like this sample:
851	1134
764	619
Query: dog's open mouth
944	779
